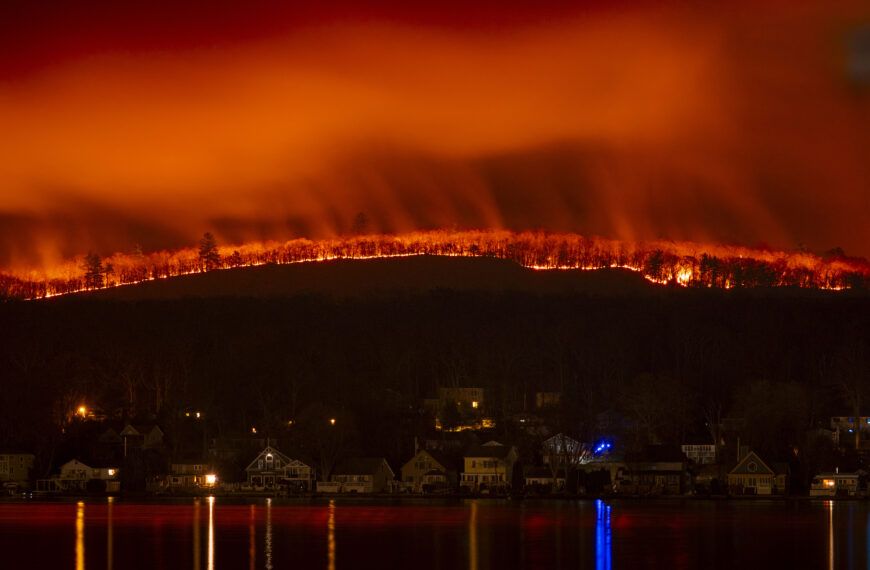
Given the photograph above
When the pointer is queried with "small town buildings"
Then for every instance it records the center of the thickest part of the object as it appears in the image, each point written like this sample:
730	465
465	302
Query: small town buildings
488	467
547	399
837	484
141	436
360	475
15	468
699	454
271	469
563	449
76	475
540	479
657	470
458	409
754	476
191	473
428	471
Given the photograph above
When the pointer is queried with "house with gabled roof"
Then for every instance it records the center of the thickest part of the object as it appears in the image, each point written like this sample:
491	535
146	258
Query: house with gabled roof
754	476
141	436
15	468
360	475
271	469
489	467
431	469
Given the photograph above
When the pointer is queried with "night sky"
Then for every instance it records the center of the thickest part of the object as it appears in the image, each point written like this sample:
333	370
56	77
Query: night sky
150	123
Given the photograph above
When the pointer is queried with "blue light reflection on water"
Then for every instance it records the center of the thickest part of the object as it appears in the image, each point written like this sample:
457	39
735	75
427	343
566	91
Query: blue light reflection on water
603	546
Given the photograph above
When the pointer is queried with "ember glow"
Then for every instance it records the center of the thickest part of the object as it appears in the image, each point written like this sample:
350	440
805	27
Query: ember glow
664	262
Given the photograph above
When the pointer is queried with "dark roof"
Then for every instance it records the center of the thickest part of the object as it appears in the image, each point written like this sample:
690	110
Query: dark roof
497	451
359	466
658	453
543	472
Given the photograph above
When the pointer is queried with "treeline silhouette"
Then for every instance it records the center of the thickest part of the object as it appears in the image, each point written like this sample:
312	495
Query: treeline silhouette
688	264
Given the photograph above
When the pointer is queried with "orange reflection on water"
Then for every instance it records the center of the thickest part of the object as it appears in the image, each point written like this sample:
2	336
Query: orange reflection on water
80	536
211	533
330	525
196	545
252	553
109	537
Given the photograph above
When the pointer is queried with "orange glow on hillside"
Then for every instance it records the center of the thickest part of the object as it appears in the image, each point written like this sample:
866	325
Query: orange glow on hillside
681	263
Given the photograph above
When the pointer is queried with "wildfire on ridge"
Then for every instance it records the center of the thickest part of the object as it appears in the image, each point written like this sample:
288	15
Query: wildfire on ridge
685	264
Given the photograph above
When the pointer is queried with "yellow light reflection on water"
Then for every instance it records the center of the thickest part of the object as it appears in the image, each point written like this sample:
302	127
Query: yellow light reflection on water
211	533
80	536
330	526
830	505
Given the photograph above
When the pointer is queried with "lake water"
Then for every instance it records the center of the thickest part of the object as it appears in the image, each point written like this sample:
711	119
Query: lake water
476	534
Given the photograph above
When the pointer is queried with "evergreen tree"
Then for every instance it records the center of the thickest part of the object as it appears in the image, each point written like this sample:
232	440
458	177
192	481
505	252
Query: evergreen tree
94	270
208	254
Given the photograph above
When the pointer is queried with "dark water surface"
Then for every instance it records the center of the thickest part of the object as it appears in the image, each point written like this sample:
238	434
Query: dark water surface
475	534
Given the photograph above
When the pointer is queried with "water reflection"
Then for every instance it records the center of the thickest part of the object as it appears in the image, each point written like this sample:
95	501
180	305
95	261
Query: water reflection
196	545
80	536
109	537
252	539
603	549
830	506
211	533
330	526
268	534
472	537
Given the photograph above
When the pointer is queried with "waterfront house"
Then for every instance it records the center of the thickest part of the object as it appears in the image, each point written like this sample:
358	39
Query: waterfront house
271	469
428	470
540	479
15	469
190	473
360	475
488	467
657	470
754	476
838	484
75	475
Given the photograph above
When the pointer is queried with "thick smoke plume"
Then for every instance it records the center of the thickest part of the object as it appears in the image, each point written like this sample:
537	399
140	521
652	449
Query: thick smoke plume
741	124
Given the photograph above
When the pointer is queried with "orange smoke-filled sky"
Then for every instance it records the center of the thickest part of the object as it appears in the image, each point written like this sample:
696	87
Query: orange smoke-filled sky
150	123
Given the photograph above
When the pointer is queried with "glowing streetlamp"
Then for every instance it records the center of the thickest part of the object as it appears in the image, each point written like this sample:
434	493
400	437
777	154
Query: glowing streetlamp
332	421
210	479
82	411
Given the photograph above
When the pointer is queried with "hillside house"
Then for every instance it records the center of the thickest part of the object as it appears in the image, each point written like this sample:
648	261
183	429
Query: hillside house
15	468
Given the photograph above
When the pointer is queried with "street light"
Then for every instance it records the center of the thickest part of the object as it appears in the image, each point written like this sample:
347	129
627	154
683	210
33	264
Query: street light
332	421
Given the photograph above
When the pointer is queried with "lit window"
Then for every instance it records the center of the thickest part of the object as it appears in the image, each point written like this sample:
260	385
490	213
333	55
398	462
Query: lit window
474	404
829	483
